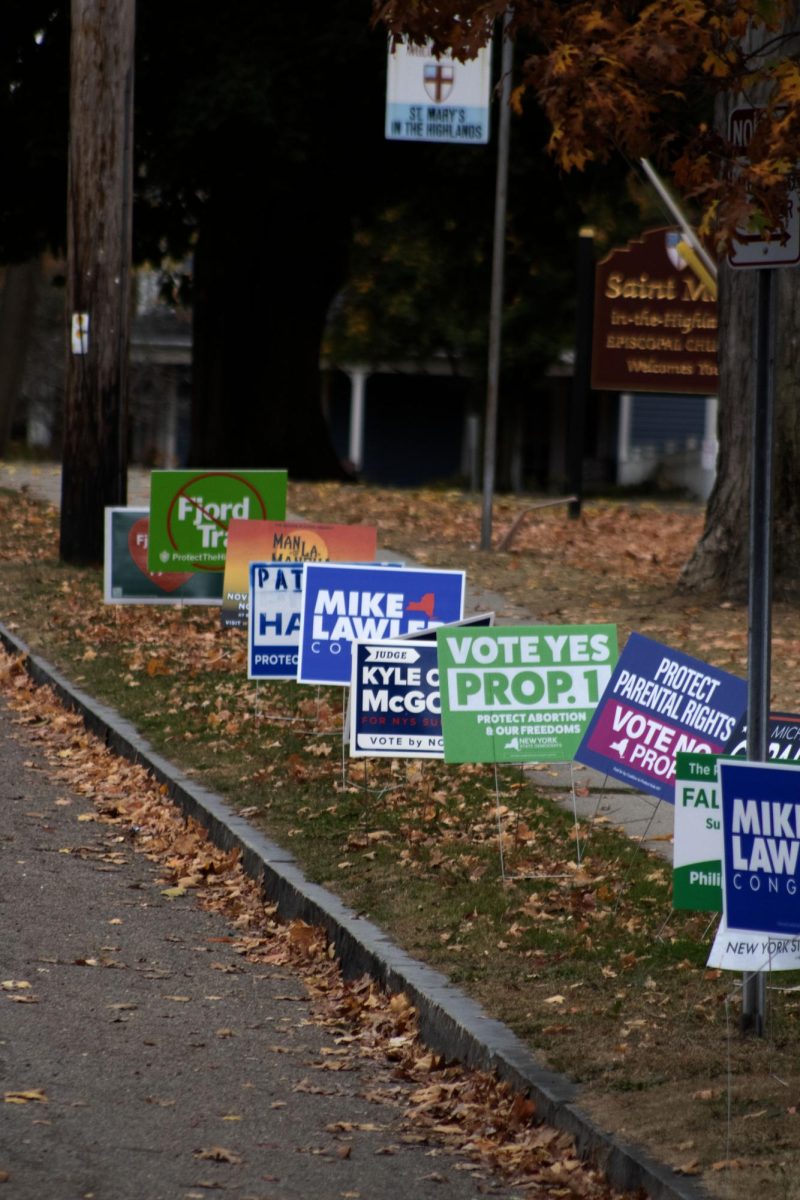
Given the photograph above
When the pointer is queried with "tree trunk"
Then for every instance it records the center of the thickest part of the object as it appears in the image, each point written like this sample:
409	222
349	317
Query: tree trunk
720	560
17	312
266	271
98	276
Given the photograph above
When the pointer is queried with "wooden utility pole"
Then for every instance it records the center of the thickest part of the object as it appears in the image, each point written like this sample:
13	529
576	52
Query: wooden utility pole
99	203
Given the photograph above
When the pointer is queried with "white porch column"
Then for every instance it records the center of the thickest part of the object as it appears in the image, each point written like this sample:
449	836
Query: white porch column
710	434
624	434
169	453
358	389
470	451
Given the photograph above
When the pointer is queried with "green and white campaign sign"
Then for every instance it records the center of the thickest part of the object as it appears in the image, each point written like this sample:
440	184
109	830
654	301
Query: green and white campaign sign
697	849
190	511
521	693
126	579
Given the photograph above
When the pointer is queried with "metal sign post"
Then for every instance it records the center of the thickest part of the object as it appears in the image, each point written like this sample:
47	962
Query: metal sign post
581	383
754	992
780	248
496	300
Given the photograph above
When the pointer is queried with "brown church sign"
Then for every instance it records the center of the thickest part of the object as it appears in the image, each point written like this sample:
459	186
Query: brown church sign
655	321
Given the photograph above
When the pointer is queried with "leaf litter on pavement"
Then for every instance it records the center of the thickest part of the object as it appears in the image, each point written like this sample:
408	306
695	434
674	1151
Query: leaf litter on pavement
469	1112
583	958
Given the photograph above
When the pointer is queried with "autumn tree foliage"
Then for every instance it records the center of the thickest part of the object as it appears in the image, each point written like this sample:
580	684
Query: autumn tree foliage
658	80
641	79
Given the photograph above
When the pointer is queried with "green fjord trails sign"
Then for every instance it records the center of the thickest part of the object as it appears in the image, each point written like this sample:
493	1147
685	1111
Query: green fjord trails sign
190	512
521	694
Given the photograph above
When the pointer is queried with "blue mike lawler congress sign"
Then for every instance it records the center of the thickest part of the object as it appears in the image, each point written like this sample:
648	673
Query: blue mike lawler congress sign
343	603
761	846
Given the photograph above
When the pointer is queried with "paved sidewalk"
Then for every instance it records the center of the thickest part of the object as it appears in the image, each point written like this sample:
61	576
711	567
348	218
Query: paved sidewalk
145	1042
42	480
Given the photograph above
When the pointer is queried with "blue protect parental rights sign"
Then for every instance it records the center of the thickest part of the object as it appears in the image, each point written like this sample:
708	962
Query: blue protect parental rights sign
658	703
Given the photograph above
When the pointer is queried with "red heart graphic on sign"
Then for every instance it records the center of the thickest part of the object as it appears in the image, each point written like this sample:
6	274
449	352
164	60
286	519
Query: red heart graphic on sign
137	544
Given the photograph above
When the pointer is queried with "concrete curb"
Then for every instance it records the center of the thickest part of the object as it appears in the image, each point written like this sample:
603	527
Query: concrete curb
450	1023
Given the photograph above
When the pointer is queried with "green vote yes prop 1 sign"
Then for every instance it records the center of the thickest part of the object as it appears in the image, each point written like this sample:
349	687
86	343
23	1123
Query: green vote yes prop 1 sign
521	694
190	512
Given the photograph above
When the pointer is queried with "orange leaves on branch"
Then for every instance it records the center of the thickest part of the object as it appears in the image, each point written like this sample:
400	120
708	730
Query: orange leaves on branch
563	60
515	101
459	28
718	65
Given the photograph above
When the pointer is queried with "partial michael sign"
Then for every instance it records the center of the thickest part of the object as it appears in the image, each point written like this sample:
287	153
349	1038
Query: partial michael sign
783	738
658	703
434	98
346	603
521	694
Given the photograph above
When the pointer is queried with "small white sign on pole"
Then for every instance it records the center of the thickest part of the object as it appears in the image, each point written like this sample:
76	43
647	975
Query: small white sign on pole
434	98
79	336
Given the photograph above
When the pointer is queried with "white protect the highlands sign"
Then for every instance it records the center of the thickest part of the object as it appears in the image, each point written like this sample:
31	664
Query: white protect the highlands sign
433	98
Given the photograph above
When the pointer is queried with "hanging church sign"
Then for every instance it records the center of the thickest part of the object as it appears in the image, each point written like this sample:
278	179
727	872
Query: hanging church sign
435	98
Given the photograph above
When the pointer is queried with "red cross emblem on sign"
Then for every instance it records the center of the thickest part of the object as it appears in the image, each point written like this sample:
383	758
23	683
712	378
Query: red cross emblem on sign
438	79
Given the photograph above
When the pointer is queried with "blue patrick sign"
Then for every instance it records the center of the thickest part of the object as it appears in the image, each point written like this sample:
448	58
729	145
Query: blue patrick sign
273	627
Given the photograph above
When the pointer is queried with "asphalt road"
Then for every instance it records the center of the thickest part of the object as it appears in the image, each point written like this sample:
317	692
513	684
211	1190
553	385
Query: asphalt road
142	1059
